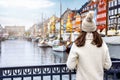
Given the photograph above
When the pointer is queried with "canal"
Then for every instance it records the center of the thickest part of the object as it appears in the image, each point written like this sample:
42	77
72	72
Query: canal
24	53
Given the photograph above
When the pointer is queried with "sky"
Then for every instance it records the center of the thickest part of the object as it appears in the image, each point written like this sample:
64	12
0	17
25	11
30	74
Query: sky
29	12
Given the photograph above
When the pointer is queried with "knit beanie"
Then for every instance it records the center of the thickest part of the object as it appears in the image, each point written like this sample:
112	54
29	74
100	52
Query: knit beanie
88	25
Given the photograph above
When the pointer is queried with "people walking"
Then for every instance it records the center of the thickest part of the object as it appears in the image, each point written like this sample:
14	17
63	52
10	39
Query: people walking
89	54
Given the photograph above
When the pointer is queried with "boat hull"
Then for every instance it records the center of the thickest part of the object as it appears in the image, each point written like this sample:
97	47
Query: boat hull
44	45
59	48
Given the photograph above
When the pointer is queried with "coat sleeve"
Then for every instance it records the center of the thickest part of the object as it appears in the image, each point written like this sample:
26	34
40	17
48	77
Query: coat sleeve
107	60
72	58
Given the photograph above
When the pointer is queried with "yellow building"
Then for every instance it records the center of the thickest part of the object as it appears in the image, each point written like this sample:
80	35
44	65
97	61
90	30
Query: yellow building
69	25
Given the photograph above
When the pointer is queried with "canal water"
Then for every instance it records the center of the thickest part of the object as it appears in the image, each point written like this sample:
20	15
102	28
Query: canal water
24	53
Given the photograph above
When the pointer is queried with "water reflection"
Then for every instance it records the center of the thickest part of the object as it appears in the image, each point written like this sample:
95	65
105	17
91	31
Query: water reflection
59	57
22	53
46	56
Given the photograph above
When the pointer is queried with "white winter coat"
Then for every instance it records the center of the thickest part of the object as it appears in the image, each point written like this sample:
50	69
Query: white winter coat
89	60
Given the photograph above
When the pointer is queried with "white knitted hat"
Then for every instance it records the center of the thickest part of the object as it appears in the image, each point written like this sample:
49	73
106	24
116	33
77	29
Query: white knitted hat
88	25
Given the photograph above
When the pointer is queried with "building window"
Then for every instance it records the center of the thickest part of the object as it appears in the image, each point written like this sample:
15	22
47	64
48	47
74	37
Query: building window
88	8
118	1
115	2
92	6
112	12
112	21
109	13
112	4
115	11
109	21
118	27
119	10
109	4
118	19
84	9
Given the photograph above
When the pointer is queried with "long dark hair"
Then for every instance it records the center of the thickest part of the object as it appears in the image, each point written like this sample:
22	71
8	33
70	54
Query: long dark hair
97	40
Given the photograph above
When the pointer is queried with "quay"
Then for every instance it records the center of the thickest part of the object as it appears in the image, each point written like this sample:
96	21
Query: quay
40	72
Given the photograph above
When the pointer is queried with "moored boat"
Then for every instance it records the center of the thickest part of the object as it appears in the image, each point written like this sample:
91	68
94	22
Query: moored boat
43	43
113	43
58	46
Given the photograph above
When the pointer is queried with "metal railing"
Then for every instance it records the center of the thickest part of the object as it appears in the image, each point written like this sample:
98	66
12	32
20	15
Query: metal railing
59	70
114	72
34	71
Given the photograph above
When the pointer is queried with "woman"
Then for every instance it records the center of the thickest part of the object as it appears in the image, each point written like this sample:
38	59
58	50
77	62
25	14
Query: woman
89	53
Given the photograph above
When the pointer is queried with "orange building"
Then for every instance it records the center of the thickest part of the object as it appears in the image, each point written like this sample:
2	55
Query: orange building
77	23
69	24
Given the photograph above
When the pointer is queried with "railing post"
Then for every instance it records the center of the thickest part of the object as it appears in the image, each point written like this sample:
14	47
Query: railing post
60	73
106	75
31	73
41	73
51	76
70	78
114	76
22	75
1	74
12	74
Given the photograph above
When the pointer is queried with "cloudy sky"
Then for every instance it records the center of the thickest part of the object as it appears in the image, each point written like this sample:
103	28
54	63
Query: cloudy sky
27	12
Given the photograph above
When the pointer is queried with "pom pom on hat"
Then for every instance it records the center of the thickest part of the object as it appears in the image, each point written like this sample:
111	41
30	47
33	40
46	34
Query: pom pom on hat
88	25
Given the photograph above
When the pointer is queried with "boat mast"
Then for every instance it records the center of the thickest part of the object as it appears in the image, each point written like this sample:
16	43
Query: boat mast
43	27
60	19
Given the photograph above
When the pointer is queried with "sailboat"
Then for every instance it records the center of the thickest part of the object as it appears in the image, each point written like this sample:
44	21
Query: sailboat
60	45
44	41
73	31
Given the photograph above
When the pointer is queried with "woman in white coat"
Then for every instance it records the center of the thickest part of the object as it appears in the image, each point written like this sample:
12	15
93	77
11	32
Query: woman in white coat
89	54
